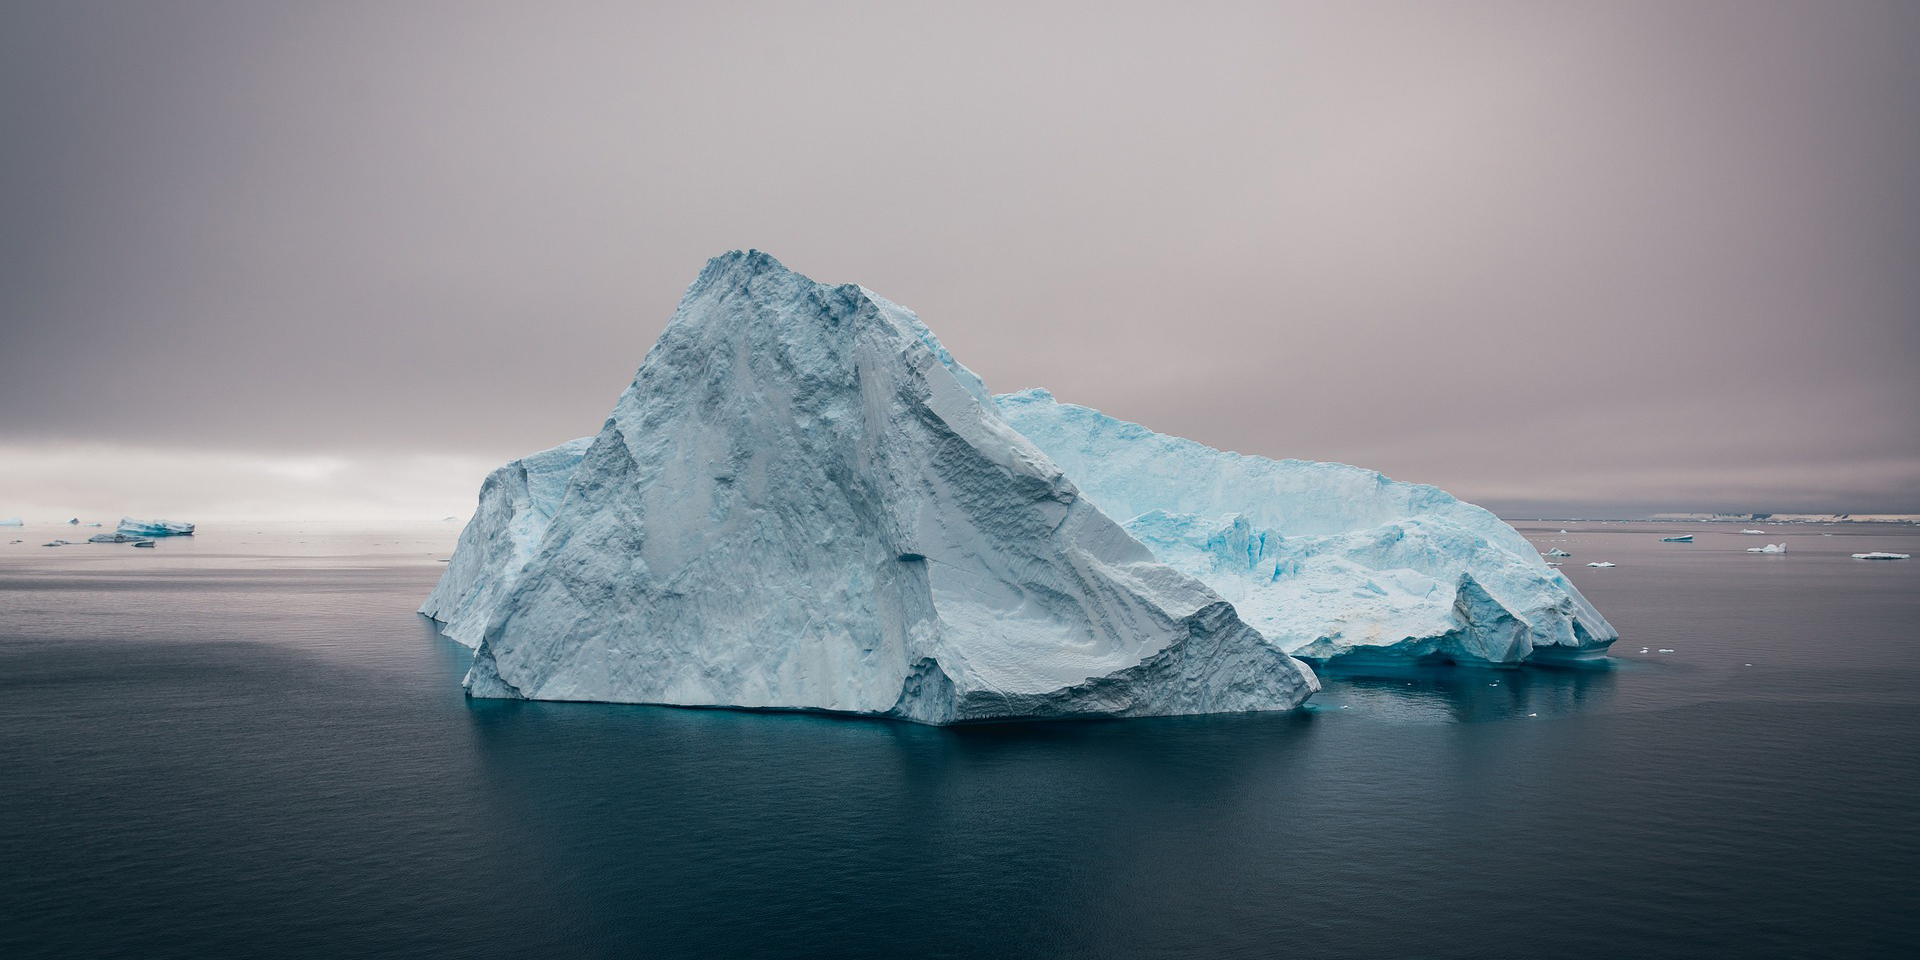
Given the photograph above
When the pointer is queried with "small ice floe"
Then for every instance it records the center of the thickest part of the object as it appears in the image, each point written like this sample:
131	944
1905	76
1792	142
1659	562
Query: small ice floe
155	528
1532	714
57	543
114	538
1881	555
1826	534
1683	538
12	522
1760	532
1553	563
1666	649
1601	563
1749	664
1769	548
1563	531
1556	552
143	543
1644	650
75	521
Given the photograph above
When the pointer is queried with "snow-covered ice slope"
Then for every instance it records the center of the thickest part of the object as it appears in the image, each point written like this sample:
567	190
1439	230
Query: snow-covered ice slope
516	502
803	501
1326	560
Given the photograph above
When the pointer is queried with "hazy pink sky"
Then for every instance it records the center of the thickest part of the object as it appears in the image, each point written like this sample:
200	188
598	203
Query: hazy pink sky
337	259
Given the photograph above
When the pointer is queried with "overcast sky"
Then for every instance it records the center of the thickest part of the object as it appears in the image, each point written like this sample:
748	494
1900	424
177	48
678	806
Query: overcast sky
334	259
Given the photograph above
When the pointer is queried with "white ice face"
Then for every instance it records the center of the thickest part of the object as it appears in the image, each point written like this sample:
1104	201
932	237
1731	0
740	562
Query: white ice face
1326	560
804	502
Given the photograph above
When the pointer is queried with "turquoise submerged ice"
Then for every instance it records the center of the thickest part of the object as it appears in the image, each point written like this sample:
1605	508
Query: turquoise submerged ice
1325	560
804	502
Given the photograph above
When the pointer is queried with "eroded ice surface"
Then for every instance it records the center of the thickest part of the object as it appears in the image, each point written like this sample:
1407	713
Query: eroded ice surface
803	501
516	503
1324	559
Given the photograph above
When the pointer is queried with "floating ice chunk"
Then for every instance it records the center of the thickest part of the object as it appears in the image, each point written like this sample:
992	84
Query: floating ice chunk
1556	552
1666	649
143	543
1769	548
155	528
1602	563
113	538
58	543
75	521
12	522
1563	531
1683	538
1881	555
1760	532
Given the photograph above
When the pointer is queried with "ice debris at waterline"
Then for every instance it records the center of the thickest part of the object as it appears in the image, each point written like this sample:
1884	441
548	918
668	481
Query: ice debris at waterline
804	502
1769	548
119	538
1556	552
1881	555
155	528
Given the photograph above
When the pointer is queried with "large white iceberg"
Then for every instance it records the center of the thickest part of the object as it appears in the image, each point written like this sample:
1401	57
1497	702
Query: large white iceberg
804	502
1327	561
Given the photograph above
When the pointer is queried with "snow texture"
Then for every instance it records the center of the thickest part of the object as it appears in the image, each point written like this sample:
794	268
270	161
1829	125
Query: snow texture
804	502
516	503
1327	561
155	528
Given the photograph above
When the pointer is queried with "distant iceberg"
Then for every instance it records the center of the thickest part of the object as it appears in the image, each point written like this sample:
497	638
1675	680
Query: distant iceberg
1602	563
12	522
1881	555
155	528
1769	548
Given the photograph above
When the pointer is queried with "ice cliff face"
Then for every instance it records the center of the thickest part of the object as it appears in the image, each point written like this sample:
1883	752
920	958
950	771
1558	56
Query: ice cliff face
516	503
1325	560
803	501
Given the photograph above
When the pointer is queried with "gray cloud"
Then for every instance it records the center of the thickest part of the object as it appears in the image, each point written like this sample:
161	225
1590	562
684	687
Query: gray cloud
1587	253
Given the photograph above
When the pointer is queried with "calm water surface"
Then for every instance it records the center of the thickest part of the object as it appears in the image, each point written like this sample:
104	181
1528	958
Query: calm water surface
246	743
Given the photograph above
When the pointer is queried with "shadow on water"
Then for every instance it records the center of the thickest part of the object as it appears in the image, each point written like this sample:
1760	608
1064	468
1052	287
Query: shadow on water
1421	693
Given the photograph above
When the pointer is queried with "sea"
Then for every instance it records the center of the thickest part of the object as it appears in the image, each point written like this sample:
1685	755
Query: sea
246	743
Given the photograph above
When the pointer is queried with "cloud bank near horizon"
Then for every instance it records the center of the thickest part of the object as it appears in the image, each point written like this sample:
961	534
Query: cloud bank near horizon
1619	256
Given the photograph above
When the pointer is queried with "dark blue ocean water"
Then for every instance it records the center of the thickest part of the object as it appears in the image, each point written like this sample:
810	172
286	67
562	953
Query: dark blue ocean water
247	744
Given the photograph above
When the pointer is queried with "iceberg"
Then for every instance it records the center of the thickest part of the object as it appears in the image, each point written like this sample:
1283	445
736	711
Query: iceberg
1881	555
1759	532
804	502
1683	538
1769	548
155	528
115	538
12	522
1332	563
1602	563
516	503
